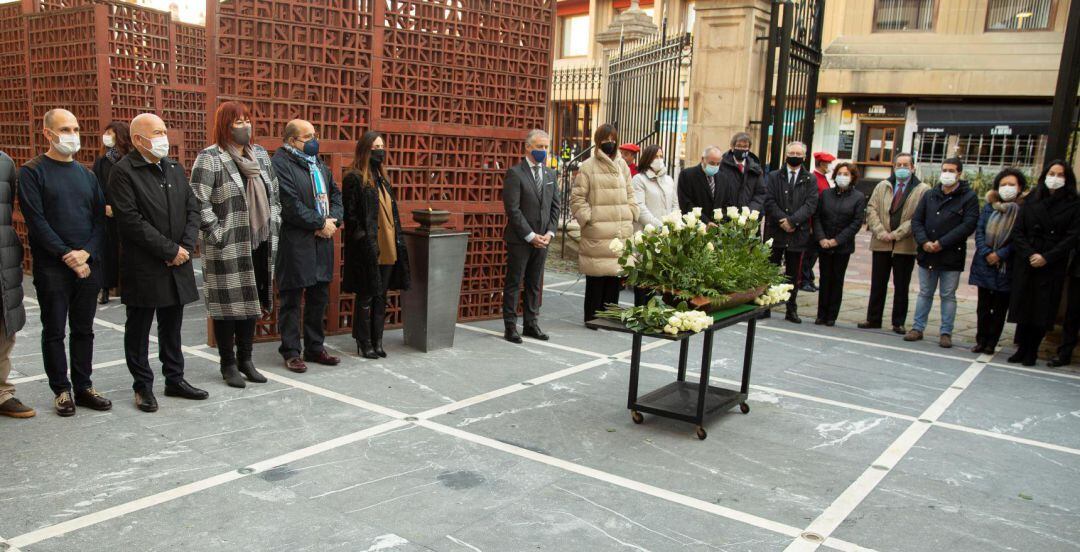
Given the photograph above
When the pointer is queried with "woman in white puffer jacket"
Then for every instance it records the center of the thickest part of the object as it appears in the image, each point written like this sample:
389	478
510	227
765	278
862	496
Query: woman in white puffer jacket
654	189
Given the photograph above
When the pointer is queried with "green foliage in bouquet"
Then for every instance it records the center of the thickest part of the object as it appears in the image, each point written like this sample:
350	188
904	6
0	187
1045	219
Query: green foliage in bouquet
656	317
688	258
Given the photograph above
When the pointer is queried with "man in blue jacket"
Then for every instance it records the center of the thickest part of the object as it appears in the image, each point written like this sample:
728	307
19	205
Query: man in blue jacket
943	221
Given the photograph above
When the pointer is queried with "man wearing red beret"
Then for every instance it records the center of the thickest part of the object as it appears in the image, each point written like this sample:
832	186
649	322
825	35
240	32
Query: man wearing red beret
822	160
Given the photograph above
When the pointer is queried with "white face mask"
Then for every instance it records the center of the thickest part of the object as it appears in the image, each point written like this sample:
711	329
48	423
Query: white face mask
1008	193
843	180
108	140
67	144
658	166
948	179
159	146
1055	182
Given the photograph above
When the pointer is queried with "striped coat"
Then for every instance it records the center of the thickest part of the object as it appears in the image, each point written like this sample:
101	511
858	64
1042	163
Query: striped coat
231	292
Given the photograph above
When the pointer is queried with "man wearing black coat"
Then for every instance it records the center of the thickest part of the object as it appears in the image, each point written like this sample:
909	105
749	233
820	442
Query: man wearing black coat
12	313
791	197
944	220
531	200
311	212
157	219
722	180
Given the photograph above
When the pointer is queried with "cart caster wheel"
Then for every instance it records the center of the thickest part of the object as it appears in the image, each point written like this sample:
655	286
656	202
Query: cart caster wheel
701	433
744	408
636	416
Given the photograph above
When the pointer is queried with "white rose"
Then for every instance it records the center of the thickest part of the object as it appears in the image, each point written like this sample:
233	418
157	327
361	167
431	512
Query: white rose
717	214
616	246
710	246
673	321
754	215
742	220
689	218
671	330
732	212
638	238
666	231
696	211
649	229
769	243
702	228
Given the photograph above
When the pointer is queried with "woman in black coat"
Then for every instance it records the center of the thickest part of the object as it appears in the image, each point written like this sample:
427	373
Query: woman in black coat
117	142
840	214
375	256
1043	239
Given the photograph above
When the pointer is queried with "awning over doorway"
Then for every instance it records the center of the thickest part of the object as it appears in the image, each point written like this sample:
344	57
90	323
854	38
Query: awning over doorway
982	118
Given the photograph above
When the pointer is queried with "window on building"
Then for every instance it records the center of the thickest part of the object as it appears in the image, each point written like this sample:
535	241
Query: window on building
932	147
904	15
987	150
1019	15
575	36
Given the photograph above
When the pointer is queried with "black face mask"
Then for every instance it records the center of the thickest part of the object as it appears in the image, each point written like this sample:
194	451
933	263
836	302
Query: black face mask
378	156
794	161
609	148
740	155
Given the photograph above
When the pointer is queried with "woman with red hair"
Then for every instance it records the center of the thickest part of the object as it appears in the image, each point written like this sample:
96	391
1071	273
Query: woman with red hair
241	215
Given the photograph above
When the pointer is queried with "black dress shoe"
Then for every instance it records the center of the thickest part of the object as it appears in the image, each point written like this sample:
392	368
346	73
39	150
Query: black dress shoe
819	322
1057	362
145	401
247	368
1017	356
511	334
185	390
376	345
868	325
363	348
808	287
793	318
232	376
830	323
899	330
93	400
534	331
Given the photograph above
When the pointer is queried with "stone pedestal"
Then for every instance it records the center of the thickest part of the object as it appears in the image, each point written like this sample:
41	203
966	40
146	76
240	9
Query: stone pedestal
430	306
728	81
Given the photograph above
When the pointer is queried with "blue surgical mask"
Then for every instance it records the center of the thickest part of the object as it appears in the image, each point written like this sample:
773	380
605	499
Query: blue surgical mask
539	155
711	170
311	147
903	174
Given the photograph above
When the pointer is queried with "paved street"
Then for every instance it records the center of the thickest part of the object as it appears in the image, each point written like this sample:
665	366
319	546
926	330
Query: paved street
855	441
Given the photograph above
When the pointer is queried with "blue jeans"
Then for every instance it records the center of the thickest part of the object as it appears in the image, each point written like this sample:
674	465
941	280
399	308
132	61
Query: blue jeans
929	280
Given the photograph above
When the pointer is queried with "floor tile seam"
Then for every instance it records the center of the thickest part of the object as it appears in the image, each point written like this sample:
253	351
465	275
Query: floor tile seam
821	528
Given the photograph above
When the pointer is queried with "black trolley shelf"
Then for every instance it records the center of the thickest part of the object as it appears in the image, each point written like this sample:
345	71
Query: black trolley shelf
688	401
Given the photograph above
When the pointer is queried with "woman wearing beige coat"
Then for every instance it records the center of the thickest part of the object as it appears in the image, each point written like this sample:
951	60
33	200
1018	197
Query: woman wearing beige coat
602	201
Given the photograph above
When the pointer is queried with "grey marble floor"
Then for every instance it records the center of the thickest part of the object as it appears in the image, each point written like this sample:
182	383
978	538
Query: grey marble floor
854	442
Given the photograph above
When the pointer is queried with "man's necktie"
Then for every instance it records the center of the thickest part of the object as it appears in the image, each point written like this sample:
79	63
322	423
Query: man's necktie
536	180
712	185
898	195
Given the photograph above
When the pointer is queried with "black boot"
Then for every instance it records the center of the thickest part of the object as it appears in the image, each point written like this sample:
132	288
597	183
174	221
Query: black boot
363	349
231	375
244	347
378	323
362	331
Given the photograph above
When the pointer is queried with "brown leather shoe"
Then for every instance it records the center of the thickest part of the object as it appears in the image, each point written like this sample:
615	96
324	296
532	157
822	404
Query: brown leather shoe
946	341
913	335
296	364
322	357
14	408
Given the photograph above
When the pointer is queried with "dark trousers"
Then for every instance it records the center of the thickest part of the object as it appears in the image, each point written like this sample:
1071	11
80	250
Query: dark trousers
1028	339
792	269
1072	321
137	344
369	311
810	257
833	267
642	296
600	291
67	301
235	339
885	263
314	299
523	262
992	309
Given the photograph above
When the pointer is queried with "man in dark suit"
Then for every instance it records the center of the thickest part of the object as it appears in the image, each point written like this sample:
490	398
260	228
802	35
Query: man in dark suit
532	212
157	218
791	197
311	209
736	180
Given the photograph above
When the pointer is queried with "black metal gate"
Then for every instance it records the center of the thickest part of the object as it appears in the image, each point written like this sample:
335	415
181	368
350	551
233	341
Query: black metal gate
644	99
793	60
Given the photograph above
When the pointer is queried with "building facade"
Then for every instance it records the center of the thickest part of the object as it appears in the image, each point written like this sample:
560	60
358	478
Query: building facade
939	78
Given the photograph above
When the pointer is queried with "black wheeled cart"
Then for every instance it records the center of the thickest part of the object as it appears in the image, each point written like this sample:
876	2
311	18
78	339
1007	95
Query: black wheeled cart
689	401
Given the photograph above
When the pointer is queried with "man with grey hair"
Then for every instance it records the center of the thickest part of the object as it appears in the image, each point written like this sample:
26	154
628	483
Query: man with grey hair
64	208
699	187
531	200
791	197
724	179
157	219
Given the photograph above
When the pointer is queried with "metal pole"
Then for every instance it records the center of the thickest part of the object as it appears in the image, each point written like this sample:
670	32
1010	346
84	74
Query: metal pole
1065	95
812	85
777	151
767	118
